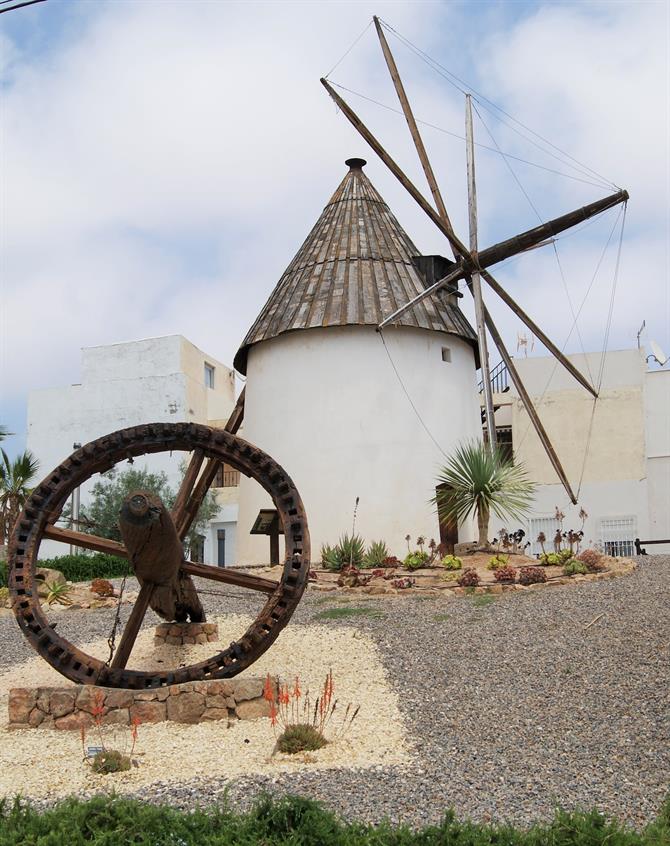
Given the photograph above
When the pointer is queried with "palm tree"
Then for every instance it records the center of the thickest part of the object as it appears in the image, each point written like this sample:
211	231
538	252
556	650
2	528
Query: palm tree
480	480
15	479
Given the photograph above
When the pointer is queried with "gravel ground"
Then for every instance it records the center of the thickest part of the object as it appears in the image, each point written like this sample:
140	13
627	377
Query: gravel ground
511	707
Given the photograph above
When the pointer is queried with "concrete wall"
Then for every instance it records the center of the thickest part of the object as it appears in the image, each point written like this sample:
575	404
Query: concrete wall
657	425
327	405
605	447
153	380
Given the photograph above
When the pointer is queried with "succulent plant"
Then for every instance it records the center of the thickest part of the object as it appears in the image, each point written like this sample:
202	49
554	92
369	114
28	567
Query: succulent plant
532	575
469	578
505	574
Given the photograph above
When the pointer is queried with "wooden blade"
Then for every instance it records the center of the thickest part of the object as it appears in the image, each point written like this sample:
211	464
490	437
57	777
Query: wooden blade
535	329
111	547
189	512
187	484
130	632
506	249
230	577
411	123
528	405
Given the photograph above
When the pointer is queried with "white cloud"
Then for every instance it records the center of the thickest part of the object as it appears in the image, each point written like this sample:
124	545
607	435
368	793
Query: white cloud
163	161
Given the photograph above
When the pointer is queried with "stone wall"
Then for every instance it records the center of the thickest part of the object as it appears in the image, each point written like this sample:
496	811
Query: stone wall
74	707
181	634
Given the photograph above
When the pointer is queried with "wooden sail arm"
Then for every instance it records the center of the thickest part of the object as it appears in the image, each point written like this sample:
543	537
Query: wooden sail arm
506	249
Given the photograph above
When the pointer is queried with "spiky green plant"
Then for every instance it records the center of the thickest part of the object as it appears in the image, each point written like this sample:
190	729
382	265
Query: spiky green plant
300	737
376	555
15	488
480	480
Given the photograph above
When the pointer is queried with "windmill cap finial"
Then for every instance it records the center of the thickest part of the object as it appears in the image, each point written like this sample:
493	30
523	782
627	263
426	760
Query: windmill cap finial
355	164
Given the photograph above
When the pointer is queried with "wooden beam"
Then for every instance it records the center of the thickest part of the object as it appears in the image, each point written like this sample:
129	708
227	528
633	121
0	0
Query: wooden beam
535	329
237	414
506	249
230	577
450	277
132	628
411	123
528	405
97	544
475	283
187	484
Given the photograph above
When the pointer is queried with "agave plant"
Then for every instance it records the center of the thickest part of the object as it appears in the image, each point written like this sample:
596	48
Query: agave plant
478	479
376	555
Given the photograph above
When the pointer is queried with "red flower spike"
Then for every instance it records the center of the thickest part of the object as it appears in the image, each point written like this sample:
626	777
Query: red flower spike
273	714
268	689
296	690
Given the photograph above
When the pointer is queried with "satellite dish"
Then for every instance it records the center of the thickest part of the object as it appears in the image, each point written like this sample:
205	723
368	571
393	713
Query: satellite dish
657	353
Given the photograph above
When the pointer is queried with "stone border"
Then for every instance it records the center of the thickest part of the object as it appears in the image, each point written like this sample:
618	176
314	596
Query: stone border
72	708
181	634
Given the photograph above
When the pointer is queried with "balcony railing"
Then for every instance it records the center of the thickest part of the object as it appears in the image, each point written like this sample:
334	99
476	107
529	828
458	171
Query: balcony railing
499	379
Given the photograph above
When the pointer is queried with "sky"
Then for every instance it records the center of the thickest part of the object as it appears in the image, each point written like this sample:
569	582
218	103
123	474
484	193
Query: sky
161	162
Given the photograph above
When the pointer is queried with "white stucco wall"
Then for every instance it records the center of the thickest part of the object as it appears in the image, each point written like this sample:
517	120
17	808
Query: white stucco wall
152	380
657	423
327	405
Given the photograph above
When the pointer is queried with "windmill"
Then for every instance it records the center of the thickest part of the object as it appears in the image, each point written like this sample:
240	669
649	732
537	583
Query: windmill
471	263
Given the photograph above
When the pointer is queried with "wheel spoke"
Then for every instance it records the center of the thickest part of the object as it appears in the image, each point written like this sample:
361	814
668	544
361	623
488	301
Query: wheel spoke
132	628
230	577
187	484
94	542
184	520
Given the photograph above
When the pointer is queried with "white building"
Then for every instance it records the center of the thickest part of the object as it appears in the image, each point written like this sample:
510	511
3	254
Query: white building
615	450
154	380
331	399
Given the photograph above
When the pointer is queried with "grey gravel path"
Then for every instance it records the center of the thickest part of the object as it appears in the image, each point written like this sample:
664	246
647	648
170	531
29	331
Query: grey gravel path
512	707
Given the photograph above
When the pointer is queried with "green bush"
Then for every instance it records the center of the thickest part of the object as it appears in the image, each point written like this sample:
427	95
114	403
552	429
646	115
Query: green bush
451	562
301	737
109	820
3	574
550	559
84	568
348	550
497	561
574	567
415	560
376	555
110	761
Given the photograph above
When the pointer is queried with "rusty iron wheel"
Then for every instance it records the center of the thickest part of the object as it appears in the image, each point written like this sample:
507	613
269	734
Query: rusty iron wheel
208	447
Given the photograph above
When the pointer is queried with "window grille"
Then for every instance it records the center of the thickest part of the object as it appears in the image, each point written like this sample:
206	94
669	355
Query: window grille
617	535
548	525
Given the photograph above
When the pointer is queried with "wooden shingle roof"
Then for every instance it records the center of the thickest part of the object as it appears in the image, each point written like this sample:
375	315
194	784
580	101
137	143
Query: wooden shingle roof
354	269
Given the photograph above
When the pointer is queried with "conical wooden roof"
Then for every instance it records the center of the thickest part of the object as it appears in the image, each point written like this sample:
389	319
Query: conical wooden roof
354	269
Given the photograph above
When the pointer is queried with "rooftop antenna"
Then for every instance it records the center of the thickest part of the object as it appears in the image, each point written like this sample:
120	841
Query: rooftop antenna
639	332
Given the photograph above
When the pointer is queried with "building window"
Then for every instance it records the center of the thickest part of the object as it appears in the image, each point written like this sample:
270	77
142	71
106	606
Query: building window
446	354
226	477
209	375
617	535
221	547
504	438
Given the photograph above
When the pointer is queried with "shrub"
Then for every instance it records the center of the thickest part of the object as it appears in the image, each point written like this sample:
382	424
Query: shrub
505	574
565	555
84	567
300	738
376	555
391	561
4	596
532	575
402	583
574	567
497	561
550	559
350	550
416	559
469	578
3	574
593	560
451	562
110	761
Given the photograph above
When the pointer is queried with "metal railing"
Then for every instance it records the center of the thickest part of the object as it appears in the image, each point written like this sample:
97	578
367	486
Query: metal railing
499	379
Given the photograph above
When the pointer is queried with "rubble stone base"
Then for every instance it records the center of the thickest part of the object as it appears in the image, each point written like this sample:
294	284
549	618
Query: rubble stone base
71	708
180	634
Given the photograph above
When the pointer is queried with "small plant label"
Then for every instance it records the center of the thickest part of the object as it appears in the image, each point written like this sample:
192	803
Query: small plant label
92	751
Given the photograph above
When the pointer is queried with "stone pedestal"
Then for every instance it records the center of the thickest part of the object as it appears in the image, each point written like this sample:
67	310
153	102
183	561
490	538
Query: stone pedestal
185	634
72	708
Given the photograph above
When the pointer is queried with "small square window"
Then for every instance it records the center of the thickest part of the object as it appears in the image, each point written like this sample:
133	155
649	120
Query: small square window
209	376
446	354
